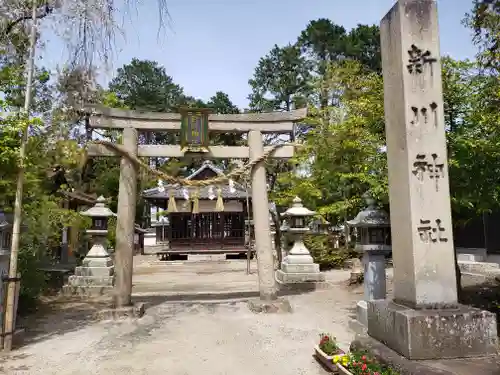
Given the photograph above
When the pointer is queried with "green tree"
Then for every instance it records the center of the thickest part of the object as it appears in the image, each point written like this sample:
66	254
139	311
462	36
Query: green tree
342	155
473	137
43	217
144	85
485	22
220	103
322	42
363	45
280	80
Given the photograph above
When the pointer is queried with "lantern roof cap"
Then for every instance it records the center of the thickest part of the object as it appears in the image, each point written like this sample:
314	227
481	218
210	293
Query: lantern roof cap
298	209
371	216
321	221
99	209
4	222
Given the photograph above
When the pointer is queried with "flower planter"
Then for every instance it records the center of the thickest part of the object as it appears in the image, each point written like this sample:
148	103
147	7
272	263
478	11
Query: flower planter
342	370
327	360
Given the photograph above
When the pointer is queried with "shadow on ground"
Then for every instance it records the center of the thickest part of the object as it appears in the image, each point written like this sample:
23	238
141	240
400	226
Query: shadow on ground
59	315
157	299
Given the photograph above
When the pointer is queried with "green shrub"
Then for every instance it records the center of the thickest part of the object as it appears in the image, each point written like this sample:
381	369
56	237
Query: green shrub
33	281
112	233
321	247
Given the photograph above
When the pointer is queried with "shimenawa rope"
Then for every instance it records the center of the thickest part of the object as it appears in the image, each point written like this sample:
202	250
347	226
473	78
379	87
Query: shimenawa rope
120	150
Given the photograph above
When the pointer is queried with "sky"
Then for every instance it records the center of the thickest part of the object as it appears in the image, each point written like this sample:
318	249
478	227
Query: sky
215	45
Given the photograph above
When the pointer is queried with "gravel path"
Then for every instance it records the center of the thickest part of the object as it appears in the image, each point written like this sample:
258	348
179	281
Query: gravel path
191	338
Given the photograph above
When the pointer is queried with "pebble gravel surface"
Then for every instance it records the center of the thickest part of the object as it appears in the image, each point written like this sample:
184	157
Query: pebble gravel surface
188	339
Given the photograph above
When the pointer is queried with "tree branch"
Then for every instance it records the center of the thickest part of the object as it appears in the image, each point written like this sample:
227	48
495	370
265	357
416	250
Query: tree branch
41	13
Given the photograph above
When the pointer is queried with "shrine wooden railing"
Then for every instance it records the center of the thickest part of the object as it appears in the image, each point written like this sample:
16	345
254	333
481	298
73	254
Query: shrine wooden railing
207	231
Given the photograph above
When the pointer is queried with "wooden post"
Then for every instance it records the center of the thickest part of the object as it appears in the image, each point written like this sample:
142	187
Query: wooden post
265	259
10	314
127	196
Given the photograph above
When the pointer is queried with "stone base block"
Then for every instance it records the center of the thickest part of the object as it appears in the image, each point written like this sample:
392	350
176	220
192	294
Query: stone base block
300	268
362	313
471	254
280	305
97	262
107	281
285	289
95	271
299	259
86	291
297	278
355	326
433	334
360	324
135	311
477	366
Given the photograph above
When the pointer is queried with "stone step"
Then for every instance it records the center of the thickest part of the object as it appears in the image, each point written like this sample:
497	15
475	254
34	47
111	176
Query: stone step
479	267
86	291
91	280
469	278
94	271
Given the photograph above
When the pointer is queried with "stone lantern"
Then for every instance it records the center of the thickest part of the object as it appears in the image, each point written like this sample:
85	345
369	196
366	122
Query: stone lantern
285	238
298	266
97	271
373	240
338	233
100	214
320	226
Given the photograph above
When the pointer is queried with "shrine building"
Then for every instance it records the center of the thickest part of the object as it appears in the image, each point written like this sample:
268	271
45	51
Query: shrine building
200	220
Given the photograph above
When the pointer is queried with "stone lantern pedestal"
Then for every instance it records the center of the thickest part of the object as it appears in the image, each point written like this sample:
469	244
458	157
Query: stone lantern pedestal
373	241
96	274
298	266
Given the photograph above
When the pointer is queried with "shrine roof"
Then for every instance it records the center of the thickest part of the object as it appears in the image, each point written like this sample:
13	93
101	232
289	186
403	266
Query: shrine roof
204	192
5	220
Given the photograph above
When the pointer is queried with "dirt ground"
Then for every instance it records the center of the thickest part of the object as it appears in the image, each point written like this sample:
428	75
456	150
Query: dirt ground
184	331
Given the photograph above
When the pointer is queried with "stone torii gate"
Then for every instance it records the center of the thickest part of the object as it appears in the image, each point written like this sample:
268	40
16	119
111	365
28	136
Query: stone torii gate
194	126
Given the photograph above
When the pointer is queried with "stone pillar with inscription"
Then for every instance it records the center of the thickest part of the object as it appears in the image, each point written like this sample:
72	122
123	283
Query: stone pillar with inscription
424	321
